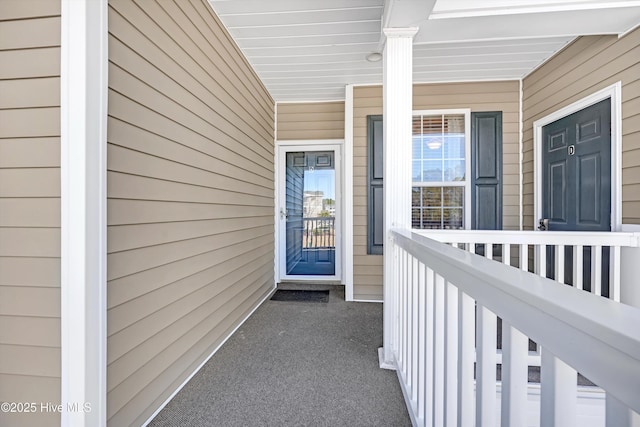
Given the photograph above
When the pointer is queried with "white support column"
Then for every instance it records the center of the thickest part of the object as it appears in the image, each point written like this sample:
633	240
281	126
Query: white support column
83	136
397	97
347	194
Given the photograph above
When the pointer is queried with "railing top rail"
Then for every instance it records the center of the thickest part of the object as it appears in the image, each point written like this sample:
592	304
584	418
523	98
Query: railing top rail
598	337
584	238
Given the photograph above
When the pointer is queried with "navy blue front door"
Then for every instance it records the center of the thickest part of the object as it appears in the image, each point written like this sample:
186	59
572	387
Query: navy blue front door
576	180
311	208
576	160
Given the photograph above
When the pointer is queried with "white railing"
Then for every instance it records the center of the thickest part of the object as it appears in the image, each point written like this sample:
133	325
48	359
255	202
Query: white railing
580	259
319	233
443	326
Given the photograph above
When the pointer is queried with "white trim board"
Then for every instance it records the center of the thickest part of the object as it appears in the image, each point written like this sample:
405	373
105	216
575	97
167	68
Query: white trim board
282	147
83	172
615	93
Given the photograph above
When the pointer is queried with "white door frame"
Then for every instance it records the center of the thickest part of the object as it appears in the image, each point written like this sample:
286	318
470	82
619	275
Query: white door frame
614	92
282	147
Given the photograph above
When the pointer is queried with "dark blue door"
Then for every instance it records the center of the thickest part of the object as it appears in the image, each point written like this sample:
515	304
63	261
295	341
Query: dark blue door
311	211
577	170
576	179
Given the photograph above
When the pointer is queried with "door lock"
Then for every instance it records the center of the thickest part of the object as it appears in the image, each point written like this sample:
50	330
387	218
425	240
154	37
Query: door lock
543	224
284	213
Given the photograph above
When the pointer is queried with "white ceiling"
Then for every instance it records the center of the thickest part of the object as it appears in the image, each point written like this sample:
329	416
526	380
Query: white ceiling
308	50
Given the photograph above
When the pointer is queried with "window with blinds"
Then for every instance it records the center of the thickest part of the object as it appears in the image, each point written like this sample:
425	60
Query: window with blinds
440	155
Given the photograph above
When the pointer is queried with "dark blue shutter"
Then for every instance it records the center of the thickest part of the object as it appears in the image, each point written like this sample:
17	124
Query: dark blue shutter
375	170
486	170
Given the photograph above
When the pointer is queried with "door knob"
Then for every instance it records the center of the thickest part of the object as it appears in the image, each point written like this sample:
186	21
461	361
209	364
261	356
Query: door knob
283	213
543	224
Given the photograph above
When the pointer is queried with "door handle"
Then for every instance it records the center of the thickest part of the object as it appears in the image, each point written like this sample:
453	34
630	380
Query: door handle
543	224
284	213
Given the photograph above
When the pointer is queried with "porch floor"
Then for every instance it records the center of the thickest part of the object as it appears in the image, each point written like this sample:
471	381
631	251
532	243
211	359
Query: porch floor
295	363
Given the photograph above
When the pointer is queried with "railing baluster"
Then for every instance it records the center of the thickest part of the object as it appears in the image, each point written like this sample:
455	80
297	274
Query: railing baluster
451	367
578	262
514	376
414	328
506	254
403	313
514	368
524	257
559	263
558	393
466	354
540	259
614	273
422	346
401	310
409	314
429	302
618	414
438	352
596	269
485	367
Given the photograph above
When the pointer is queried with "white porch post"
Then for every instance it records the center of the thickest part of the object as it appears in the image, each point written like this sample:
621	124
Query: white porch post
83	136
397	97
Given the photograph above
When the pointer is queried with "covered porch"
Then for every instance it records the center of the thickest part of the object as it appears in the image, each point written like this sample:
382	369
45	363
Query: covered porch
295	363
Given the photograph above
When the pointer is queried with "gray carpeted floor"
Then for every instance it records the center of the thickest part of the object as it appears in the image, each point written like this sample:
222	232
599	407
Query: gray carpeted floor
295	364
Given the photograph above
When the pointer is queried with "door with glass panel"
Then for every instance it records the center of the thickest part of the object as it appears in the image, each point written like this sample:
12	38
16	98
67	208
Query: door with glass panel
308	213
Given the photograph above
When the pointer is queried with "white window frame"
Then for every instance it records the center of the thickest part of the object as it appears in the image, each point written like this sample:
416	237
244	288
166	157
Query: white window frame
467	157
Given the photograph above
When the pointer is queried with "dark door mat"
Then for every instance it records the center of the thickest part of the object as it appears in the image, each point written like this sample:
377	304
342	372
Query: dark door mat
304	296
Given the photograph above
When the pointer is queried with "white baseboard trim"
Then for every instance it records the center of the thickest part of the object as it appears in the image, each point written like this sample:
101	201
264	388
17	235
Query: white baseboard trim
161	407
367	300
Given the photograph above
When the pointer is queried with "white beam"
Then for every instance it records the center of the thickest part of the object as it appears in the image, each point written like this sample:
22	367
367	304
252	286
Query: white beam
406	13
528	25
83	117
397	100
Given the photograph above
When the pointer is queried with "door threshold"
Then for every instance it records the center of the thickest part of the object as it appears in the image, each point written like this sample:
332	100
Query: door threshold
308	286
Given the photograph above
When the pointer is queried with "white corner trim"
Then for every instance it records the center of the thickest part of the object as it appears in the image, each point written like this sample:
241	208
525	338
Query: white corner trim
615	93
347	193
276	200
521	154
83	169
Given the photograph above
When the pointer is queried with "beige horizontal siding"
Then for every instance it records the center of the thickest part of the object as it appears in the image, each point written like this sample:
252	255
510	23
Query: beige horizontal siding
485	96
582	68
190	197
313	120
30	208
